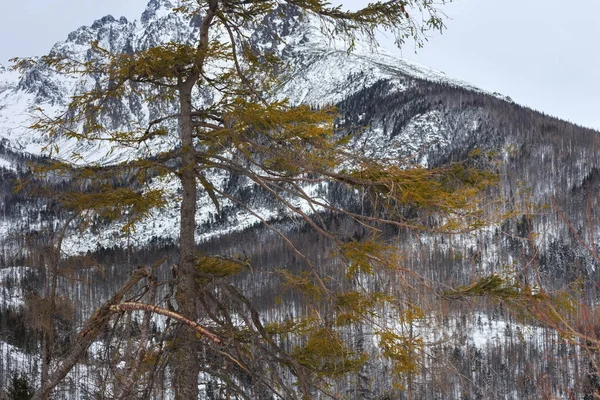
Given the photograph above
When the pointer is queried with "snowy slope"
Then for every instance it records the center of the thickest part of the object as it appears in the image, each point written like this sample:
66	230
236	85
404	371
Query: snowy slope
398	104
386	95
318	71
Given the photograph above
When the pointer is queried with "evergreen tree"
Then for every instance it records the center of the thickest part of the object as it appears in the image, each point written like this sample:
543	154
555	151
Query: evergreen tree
278	148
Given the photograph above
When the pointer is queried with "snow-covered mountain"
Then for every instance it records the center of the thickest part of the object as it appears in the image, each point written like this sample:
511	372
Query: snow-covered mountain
318	71
408	111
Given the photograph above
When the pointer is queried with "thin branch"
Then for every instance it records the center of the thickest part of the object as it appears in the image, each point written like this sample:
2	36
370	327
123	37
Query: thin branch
202	331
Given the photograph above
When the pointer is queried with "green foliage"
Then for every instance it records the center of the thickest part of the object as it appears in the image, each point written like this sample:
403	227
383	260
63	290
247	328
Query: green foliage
327	354
452	189
365	255
210	267
304	282
291	326
402	351
493	286
558	310
116	203
355	307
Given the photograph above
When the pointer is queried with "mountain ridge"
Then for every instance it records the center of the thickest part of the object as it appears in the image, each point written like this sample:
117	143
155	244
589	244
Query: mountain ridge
319	71
399	113
158	25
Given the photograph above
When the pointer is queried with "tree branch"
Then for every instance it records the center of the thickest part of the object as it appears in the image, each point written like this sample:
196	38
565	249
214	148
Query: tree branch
94	326
199	329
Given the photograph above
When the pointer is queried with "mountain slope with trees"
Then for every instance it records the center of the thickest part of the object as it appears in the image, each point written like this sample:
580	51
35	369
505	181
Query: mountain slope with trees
389	110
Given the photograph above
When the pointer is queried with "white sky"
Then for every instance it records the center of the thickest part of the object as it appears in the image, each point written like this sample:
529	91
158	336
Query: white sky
542	53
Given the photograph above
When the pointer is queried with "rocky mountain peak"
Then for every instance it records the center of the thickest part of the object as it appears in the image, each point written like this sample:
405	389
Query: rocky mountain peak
287	31
105	29
156	9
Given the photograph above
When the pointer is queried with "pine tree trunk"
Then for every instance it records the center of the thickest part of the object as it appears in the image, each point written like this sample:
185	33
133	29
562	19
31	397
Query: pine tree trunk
186	368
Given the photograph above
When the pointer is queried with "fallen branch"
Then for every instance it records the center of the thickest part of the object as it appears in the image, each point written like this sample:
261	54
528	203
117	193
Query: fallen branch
199	329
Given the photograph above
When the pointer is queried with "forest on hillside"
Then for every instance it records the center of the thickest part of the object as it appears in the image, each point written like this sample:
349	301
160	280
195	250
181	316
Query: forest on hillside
186	232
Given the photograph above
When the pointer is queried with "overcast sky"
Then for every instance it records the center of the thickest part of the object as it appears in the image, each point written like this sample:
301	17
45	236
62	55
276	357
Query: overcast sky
542	53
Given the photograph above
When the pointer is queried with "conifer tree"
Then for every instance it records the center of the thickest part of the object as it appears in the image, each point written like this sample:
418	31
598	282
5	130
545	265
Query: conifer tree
277	148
